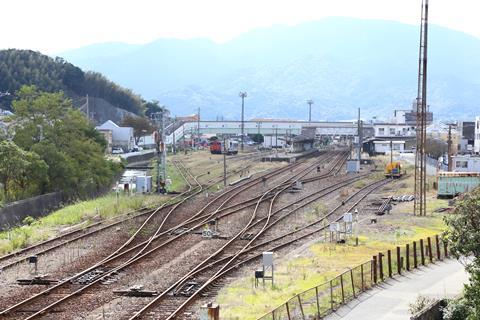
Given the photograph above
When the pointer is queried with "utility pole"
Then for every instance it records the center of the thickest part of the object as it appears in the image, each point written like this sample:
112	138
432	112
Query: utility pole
88	109
450	151
198	129
174	142
276	137
161	151
391	151
310	102
421	112
224	161
243	95
360	138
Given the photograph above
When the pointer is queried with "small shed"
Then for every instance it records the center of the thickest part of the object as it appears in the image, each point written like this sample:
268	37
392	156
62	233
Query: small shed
302	143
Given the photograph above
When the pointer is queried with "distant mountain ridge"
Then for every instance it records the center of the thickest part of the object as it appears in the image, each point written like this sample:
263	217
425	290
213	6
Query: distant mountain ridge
341	63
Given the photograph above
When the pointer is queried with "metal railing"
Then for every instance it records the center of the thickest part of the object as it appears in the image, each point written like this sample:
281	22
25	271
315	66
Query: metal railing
321	300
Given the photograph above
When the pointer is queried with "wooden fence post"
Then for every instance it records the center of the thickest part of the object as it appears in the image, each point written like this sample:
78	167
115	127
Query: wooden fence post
445	249
341	285
380	265
363	284
301	307
437	245
415	260
389	262
288	311
399	261
318	302
422	253
331	296
353	283
430	255
374	269
407	254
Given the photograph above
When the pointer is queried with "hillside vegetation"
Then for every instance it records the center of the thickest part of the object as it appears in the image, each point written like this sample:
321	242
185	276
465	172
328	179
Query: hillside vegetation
25	67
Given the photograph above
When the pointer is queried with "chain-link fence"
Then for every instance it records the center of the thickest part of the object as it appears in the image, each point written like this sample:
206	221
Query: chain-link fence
319	301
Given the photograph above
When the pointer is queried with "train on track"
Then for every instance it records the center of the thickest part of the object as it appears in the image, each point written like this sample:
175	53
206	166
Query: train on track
219	147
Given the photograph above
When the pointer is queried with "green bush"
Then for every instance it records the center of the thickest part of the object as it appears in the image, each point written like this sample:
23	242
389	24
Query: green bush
457	309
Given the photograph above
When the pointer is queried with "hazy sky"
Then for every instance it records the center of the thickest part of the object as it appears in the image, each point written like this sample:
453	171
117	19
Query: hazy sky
52	26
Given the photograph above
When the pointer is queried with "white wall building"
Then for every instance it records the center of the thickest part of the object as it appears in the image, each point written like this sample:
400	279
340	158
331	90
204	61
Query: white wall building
383	147
383	130
121	136
466	164
477	135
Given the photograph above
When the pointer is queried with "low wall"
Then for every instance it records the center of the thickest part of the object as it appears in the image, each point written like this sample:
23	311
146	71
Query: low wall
432	312
15	212
139	157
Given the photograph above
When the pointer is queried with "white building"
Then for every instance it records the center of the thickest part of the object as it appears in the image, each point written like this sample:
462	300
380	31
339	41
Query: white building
384	147
477	135
121	136
387	130
466	164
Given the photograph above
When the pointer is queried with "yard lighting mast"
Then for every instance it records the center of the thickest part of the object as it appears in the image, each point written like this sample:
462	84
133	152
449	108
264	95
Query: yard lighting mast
309	102
243	95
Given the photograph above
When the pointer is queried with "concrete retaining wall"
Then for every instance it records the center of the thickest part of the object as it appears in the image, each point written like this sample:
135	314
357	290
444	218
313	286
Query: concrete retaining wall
14	213
140	157
432	312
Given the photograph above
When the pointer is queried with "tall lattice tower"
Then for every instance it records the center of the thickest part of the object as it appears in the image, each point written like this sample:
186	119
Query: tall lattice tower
420	157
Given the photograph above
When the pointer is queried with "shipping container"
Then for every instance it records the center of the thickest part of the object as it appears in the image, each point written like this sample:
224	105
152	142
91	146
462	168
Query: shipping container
451	184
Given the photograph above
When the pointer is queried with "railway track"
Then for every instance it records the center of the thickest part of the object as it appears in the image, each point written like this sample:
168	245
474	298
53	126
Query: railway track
255	252
129	256
18	257
170	297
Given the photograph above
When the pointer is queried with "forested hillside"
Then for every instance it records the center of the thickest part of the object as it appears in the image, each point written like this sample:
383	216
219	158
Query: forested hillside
25	67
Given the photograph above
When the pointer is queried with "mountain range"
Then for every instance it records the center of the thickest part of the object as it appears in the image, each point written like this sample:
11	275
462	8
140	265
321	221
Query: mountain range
341	63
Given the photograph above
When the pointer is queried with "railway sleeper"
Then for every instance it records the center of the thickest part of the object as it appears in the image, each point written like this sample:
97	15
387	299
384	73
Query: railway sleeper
37	280
187	289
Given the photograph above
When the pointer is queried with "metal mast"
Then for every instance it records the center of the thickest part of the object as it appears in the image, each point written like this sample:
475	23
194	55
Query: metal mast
421	112
243	95
310	102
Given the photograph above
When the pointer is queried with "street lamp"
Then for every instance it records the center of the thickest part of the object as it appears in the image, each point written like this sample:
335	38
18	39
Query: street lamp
243	95
309	102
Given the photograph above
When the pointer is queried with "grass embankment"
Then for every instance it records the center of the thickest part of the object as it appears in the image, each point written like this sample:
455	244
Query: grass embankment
81	214
317	262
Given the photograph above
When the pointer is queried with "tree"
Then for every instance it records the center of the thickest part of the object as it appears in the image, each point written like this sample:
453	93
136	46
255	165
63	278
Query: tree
151	107
141	126
436	148
21	173
257	138
67	143
463	236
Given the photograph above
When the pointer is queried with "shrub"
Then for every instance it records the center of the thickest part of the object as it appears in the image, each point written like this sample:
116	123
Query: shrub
420	303
457	309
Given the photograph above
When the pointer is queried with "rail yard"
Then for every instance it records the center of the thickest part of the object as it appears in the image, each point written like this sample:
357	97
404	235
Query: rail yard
165	262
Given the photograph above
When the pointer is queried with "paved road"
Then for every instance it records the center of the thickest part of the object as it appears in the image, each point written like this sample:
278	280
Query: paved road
390	300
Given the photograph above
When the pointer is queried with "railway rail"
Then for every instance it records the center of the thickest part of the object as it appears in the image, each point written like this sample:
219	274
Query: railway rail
228	263
18	257
138	251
